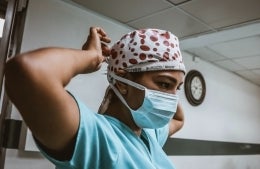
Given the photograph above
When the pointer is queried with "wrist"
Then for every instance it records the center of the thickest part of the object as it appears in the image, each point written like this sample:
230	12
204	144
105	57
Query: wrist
89	61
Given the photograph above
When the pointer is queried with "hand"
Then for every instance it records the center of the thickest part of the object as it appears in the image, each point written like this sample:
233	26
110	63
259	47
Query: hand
96	44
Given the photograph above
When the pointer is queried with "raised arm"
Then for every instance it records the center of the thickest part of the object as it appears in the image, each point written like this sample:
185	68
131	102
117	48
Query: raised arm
35	83
177	122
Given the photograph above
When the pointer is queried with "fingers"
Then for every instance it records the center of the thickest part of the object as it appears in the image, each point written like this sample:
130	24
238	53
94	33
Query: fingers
96	37
105	49
101	33
105	39
105	52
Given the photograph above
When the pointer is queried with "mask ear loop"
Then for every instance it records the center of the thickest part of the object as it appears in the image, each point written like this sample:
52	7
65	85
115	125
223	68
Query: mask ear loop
119	95
112	77
131	83
136	85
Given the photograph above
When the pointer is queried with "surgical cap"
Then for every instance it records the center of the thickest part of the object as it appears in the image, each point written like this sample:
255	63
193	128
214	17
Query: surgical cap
146	50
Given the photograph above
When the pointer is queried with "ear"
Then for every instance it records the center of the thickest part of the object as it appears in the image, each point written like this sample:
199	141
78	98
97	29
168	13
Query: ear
122	87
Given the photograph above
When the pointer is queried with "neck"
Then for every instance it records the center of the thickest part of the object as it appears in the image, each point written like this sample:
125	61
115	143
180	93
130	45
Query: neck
120	112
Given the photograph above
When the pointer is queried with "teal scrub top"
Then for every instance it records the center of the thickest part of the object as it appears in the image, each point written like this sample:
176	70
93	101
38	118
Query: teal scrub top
103	142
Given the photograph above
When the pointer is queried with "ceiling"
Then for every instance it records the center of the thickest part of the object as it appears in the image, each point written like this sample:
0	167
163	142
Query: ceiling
223	32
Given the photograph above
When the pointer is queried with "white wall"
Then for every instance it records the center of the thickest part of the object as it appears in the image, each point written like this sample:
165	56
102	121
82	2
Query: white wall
230	112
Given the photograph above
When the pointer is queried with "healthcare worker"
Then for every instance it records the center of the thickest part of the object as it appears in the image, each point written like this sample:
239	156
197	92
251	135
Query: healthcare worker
145	70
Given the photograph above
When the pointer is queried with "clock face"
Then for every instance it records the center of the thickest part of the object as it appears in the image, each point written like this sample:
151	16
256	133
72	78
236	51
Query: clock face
195	87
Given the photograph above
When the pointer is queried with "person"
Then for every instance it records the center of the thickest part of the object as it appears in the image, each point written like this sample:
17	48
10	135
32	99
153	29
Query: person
139	111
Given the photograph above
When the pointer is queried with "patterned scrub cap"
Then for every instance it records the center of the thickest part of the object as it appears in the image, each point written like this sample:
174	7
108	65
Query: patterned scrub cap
146	50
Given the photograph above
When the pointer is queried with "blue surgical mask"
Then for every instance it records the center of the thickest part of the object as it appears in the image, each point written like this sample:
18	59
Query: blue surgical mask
157	110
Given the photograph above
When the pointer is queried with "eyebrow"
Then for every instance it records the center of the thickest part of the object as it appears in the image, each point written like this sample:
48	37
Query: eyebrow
172	79
168	77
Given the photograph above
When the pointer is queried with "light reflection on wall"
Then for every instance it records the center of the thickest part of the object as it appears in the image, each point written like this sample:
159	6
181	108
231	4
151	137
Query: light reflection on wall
2	21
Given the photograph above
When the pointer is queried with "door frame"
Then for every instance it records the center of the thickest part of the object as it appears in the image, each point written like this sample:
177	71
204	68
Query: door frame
10	46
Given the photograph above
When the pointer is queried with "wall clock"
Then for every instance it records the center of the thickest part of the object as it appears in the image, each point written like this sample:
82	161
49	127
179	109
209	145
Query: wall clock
195	87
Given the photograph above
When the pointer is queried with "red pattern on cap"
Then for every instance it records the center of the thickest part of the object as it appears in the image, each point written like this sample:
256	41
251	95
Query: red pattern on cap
146	48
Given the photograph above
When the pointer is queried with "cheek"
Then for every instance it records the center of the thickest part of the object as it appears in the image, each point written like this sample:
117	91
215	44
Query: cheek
135	98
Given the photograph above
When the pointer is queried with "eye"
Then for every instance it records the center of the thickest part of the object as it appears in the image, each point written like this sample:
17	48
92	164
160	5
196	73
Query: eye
164	85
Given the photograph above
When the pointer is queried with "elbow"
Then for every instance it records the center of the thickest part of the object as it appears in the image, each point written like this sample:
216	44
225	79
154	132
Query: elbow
14	74
11	70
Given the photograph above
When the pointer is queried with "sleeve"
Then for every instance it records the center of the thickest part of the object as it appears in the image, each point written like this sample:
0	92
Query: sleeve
87	142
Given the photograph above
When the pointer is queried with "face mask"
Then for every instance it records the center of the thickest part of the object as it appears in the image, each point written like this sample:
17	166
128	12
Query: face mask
157	110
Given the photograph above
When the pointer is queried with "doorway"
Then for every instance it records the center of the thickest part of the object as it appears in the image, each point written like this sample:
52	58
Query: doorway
12	14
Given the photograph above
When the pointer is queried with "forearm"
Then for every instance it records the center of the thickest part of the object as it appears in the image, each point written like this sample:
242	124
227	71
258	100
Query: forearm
43	69
35	80
178	120
56	64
